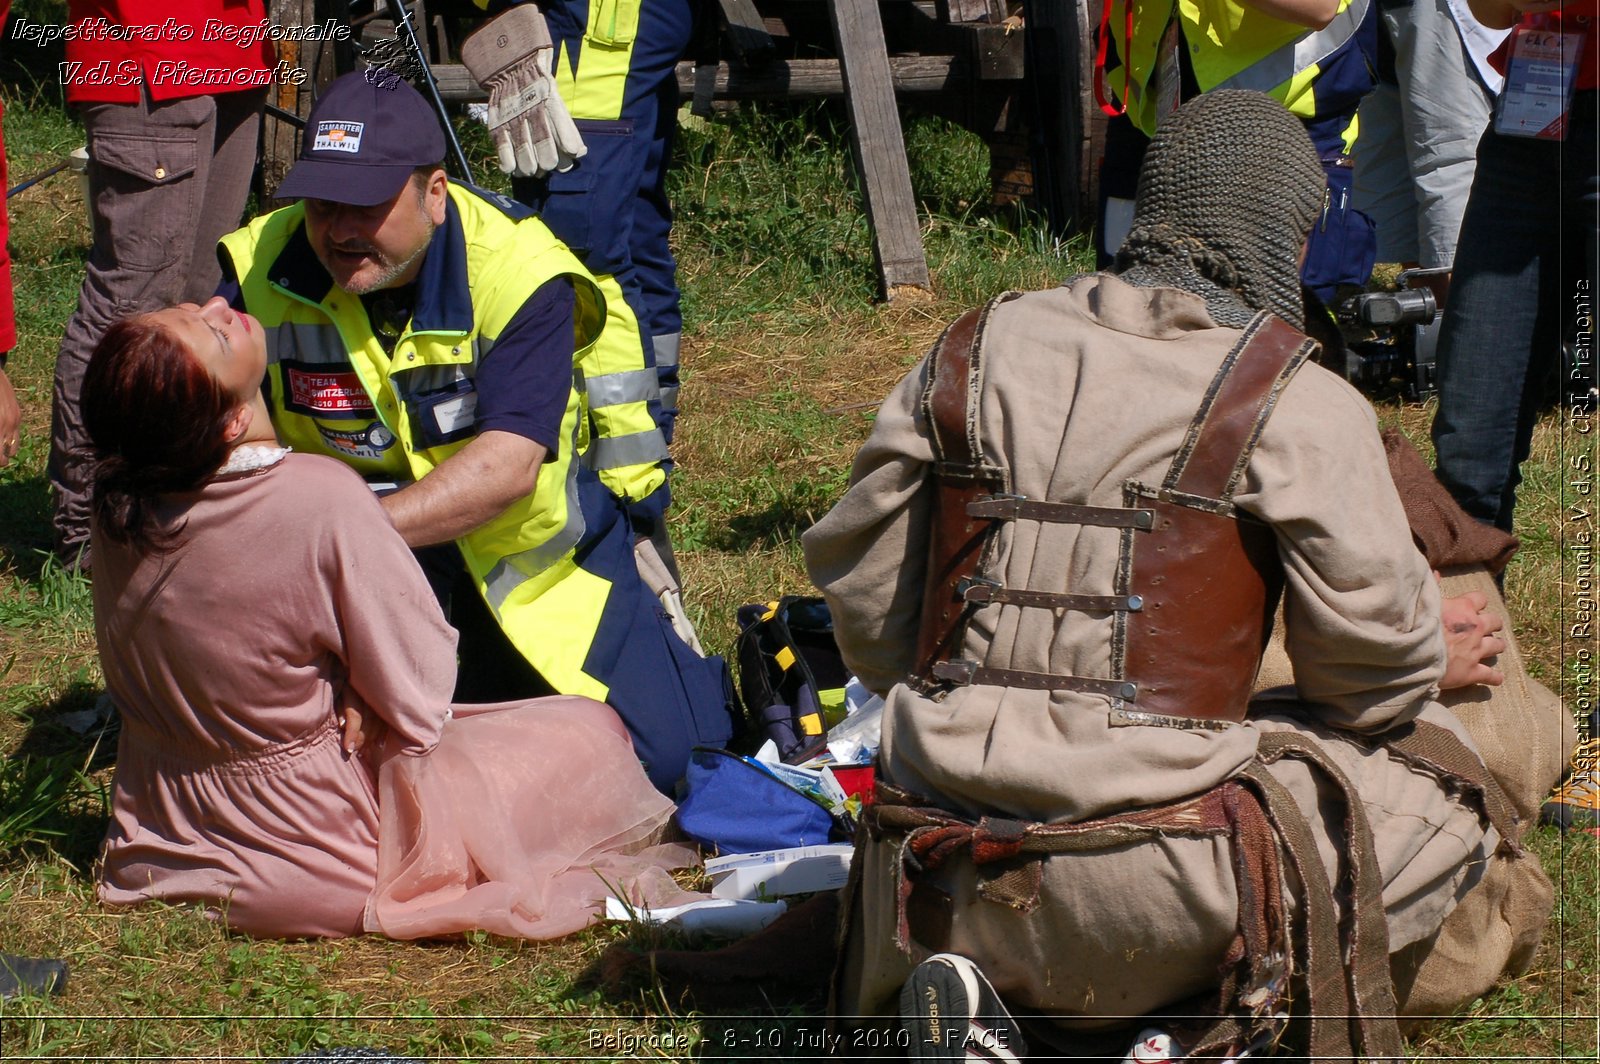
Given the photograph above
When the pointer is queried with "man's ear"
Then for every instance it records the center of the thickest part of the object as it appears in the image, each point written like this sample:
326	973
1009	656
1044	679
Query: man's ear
238	423
435	195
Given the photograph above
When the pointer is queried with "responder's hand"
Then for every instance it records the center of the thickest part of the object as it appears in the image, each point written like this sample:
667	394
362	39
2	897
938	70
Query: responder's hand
10	421
512	57
1470	641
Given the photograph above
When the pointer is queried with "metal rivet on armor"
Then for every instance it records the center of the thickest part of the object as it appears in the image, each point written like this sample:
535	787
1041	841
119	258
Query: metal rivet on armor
1143	519
1128	691
1135	602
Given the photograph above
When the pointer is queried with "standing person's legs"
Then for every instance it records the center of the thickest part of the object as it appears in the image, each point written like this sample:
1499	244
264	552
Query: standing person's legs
656	270
1343	244
1443	106
611	207
233	163
1385	186
665	30
1501	325
1416	153
151	176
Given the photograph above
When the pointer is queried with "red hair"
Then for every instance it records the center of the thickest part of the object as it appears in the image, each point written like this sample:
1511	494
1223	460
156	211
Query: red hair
158	420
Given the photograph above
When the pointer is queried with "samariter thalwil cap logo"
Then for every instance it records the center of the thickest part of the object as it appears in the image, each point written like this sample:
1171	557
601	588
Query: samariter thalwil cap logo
338	136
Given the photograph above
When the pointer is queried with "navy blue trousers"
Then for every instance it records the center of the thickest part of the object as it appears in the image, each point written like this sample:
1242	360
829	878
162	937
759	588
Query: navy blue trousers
611	208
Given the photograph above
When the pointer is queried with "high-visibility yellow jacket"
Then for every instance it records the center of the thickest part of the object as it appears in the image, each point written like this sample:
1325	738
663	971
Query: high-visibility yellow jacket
1232	46
487	259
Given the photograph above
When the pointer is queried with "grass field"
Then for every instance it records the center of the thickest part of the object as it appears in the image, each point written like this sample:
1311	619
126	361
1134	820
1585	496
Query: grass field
785	356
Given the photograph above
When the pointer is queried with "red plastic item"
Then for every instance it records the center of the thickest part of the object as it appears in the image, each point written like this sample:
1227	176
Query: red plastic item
856	779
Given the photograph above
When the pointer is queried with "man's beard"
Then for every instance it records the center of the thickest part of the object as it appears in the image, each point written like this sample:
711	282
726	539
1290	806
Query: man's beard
390	271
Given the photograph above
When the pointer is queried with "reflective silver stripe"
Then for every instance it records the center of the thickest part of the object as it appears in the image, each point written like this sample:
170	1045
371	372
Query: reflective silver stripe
414	382
306	342
613	452
666	346
1270	71
669	398
630	386
512	571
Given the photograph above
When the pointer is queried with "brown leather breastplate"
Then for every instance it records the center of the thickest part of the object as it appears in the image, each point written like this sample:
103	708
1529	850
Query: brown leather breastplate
1196	583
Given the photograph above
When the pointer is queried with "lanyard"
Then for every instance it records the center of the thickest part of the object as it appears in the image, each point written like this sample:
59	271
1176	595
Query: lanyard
1100	96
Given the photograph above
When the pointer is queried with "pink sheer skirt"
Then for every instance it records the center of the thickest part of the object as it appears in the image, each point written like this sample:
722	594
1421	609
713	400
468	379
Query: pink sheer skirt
520	823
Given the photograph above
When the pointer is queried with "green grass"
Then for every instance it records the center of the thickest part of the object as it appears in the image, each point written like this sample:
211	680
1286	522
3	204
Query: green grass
786	355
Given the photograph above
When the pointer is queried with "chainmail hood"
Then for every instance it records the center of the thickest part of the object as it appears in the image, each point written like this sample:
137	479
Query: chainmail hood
1230	187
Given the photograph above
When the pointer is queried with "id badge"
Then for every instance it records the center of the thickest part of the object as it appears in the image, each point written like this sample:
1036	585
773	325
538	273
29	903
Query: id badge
1542	70
445	416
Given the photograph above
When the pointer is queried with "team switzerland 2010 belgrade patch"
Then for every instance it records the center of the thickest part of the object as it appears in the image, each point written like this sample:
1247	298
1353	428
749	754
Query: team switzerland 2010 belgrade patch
327	394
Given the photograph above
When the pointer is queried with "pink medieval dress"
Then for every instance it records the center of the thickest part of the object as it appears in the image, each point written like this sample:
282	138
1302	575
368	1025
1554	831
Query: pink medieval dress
289	596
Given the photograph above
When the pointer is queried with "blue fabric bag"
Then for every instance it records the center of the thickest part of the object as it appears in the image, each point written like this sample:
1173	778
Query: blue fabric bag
733	805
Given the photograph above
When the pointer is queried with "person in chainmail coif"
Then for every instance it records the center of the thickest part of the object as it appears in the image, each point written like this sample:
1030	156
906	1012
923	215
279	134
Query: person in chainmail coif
1057	561
1236	238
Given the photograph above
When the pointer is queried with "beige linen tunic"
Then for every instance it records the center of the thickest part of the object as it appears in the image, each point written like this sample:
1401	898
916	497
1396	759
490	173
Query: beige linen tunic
1088	388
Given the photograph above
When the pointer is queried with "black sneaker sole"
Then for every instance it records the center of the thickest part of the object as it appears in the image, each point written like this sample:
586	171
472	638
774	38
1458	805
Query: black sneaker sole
944	1023
934	1011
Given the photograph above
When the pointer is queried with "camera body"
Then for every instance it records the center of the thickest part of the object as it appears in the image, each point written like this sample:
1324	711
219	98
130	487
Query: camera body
1402	329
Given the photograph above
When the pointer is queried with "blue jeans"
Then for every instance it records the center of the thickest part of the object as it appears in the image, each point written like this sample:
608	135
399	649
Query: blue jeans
1527	252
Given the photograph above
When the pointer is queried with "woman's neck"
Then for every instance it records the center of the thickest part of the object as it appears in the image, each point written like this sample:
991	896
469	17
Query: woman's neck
259	432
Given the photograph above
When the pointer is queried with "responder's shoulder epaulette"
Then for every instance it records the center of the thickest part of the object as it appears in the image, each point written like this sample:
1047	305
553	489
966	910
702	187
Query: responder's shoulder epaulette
503	203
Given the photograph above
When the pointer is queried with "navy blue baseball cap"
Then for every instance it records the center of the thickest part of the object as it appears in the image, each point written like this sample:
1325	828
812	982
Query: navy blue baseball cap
366	134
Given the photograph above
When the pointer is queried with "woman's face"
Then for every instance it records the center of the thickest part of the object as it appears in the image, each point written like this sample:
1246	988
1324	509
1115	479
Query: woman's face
231	345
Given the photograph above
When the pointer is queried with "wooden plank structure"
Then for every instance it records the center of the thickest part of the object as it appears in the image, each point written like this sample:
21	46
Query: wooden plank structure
879	146
964	59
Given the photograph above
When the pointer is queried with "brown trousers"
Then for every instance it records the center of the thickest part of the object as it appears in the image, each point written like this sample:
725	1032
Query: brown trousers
166	180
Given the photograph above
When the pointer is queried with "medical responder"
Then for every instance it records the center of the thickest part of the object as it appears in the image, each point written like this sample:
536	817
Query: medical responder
439	339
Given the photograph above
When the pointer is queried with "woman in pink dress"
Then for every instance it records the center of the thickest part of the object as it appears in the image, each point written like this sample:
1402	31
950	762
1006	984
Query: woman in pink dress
288	754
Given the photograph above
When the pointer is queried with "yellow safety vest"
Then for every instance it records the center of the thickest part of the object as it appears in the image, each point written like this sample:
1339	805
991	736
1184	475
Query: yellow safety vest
326	370
1230	46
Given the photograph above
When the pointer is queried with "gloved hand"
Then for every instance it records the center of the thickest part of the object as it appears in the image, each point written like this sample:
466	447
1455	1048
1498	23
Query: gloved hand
511	57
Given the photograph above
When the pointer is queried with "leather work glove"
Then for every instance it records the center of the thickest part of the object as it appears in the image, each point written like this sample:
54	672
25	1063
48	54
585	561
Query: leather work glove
511	57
